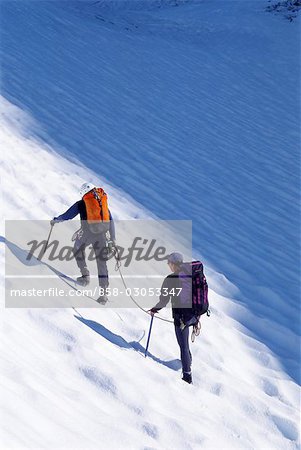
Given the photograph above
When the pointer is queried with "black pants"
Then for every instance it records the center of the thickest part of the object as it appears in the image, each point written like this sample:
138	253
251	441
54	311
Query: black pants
98	242
183	341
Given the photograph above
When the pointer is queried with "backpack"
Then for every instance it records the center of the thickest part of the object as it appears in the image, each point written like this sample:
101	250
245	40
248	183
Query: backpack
194	287
98	215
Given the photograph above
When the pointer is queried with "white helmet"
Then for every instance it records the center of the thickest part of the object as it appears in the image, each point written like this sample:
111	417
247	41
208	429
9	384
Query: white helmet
86	187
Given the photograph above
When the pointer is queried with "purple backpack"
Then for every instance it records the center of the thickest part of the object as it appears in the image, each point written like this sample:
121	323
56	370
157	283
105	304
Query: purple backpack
194	287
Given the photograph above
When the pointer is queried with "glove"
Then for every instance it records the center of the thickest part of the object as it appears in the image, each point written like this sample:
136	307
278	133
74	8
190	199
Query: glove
77	235
53	221
111	244
153	311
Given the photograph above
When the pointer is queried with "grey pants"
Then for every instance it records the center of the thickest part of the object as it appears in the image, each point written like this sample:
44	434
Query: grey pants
183	341
98	242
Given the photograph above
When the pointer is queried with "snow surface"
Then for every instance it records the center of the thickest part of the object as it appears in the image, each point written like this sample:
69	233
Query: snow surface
189	112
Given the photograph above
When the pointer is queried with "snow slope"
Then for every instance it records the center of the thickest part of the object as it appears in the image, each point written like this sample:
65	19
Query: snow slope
192	98
74	380
203	96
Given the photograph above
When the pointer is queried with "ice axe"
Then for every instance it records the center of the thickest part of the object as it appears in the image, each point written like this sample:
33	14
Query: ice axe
149	333
47	242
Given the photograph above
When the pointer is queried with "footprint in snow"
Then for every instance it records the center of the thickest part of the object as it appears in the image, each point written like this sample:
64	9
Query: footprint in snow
269	388
99	379
150	430
136	410
67	348
216	389
286	427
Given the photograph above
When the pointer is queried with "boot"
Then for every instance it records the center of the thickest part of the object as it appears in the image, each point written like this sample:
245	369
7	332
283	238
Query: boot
187	377
84	280
102	299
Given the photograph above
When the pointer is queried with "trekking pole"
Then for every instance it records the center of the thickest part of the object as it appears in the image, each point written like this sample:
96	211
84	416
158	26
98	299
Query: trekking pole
47	242
149	333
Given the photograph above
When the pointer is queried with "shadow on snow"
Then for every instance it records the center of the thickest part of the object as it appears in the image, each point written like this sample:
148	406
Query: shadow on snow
118	340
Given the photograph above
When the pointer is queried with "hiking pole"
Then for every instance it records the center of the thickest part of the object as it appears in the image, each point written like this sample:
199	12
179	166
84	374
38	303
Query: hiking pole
47	242
149	333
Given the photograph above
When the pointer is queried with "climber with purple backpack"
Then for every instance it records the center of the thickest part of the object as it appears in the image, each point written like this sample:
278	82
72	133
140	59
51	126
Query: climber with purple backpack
187	289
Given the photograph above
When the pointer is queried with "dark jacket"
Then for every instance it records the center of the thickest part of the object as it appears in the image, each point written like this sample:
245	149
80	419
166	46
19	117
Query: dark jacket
80	208
170	291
